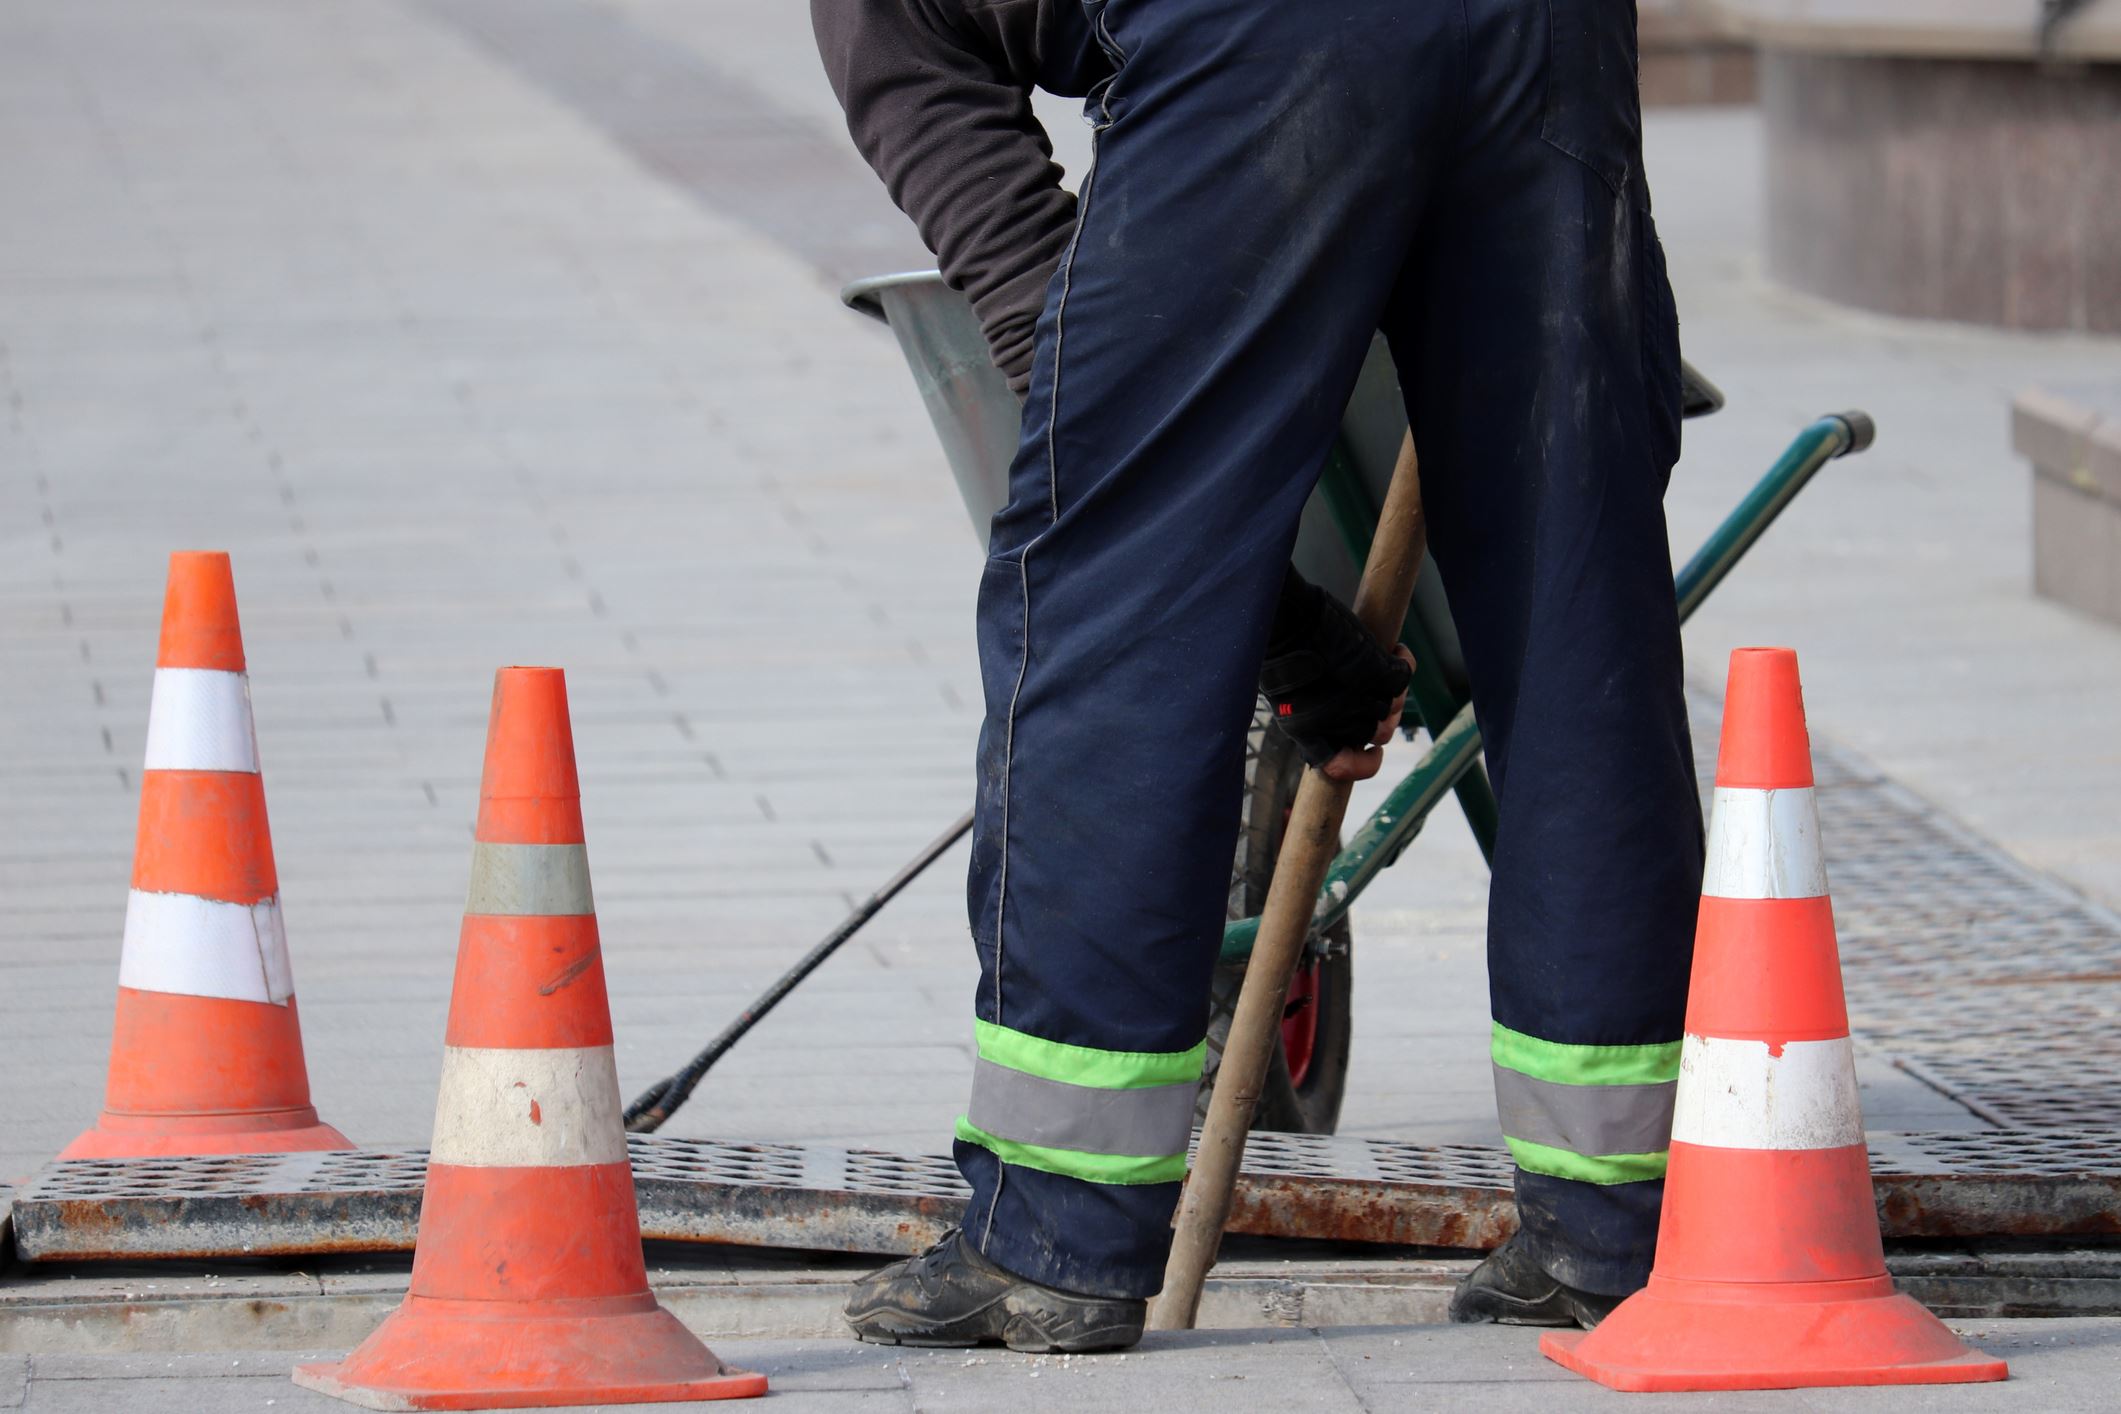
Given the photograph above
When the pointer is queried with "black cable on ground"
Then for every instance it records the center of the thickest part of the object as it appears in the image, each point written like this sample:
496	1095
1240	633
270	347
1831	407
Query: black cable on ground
661	1100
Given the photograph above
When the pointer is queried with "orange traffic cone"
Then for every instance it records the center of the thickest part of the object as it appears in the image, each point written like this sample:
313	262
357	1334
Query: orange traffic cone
1769	1273
528	1286
206	1056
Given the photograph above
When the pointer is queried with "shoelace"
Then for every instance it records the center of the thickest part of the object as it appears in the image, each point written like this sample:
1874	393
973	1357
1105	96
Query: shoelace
930	1262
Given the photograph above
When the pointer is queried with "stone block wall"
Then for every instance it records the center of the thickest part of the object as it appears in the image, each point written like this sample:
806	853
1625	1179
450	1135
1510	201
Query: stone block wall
1985	190
1688	59
2073	440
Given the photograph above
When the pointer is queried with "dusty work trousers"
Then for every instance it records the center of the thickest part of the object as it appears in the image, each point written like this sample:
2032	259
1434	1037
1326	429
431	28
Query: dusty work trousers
1272	183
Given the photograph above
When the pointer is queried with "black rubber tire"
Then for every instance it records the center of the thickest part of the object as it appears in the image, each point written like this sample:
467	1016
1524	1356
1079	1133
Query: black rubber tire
1272	769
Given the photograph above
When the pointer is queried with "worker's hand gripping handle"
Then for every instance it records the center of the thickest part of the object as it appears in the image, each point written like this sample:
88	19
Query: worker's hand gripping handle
1307	849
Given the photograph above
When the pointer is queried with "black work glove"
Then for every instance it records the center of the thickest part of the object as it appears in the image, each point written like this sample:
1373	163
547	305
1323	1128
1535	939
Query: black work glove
1329	682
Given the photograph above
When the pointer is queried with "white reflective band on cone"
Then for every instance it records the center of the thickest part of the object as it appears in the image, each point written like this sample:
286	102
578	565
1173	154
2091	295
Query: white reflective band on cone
1764	844
202	947
199	720
507	1108
1737	1095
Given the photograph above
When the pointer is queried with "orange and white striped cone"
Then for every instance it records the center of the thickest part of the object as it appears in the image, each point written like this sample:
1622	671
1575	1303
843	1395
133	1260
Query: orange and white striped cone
206	1055
528	1285
1770	1273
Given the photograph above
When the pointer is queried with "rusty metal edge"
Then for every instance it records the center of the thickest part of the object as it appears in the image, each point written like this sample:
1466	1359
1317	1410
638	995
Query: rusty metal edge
814	1220
1998	1205
201	1225
1372	1211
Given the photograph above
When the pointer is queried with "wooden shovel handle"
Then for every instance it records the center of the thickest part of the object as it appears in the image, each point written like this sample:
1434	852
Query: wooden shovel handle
1307	848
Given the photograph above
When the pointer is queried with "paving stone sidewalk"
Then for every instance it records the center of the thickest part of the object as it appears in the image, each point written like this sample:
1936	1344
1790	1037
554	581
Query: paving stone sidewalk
460	385
2059	1367
493	333
505	333
352	292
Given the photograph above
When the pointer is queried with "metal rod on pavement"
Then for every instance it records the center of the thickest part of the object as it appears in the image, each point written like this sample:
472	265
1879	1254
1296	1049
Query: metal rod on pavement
1308	845
661	1100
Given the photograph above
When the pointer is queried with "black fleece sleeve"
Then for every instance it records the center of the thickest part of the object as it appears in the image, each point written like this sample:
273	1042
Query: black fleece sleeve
937	100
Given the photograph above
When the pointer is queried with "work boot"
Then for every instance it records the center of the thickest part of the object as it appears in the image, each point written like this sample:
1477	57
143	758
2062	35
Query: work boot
1510	1288
951	1295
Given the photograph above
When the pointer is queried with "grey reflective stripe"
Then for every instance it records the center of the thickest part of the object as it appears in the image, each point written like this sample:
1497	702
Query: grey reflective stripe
1585	1119
529	879
1153	1121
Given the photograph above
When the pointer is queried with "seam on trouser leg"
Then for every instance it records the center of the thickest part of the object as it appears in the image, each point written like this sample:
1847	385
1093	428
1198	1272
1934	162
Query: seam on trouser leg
1023	662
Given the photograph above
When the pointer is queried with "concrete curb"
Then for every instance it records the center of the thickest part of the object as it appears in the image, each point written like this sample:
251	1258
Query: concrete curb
100	1310
97	1314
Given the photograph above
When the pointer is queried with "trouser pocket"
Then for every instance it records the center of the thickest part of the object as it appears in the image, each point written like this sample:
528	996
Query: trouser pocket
1099	108
1594	104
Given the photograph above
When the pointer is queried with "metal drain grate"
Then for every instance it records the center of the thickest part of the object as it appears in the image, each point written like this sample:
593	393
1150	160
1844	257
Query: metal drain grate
347	1171
2039	1153
1386	1161
1997	987
717	1161
2022	1182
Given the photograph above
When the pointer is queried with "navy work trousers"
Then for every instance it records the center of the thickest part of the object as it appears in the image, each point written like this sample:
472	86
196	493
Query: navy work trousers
1273	182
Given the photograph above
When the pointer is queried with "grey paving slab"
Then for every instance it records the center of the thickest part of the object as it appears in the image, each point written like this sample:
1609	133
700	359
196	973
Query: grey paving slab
2056	1365
391	305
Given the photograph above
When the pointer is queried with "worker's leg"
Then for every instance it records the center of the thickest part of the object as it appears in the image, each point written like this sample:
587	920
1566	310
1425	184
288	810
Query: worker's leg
1536	338
1250	206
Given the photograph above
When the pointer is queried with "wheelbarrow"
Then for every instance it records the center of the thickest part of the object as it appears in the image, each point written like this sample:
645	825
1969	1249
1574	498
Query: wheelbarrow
977	417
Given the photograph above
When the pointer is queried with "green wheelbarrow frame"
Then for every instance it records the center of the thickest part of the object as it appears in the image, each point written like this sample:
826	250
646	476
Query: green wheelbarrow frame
977	417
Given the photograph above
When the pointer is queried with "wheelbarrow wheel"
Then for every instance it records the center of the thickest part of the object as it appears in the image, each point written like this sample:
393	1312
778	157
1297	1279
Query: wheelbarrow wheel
1308	1075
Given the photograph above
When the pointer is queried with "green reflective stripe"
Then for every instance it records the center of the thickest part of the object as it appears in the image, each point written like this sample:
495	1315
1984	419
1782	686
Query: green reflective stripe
1072	1163
1084	1065
1564	1064
1586	1168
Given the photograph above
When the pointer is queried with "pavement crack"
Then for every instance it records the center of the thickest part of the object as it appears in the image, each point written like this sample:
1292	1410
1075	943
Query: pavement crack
1333	1363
